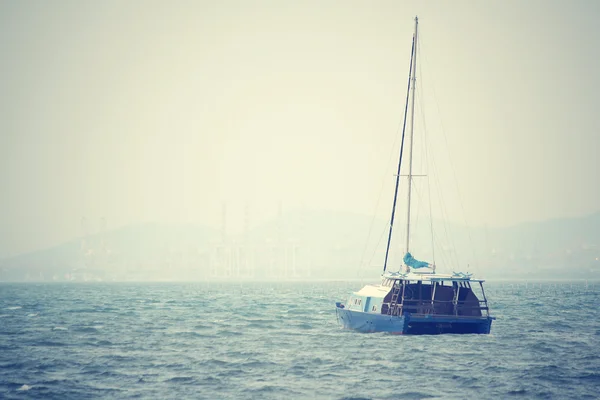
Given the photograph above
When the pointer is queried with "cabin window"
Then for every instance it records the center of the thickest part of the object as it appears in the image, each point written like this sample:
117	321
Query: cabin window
359	302
355	301
374	308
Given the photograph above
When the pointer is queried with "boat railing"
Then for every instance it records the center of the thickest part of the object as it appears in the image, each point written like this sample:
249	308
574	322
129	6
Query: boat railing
463	317
425	306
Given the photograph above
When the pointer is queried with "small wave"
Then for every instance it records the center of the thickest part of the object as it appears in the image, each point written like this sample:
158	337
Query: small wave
264	389
50	382
12	365
229	333
104	310
298	312
32	315
591	377
98	343
495	369
13	308
97	371
218	362
304	326
261	325
416	395
120	358
552	373
231	372
86	329
49	343
24	388
191	334
181	379
259	321
517	392
589	357
355	398
559	327
327	375
60	328
543	347
211	380
161	365
257	364
297	370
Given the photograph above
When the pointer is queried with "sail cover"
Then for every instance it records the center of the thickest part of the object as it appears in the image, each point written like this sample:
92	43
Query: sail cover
414	263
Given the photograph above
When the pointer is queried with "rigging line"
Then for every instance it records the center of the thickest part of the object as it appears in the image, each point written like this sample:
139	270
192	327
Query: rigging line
377	245
387	250
419	203
420	199
426	139
426	151
435	237
362	257
446	259
431	222
460	197
449	238
454	175
449	235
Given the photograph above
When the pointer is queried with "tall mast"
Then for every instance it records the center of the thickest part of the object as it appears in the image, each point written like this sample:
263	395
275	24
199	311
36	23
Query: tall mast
412	125
410	69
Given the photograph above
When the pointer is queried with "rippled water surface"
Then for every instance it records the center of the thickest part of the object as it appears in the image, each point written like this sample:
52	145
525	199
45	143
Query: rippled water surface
281	340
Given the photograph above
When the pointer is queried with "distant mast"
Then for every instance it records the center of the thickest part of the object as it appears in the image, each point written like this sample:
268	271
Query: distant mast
412	126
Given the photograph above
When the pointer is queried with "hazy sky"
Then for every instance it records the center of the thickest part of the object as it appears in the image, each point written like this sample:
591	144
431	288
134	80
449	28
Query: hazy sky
163	111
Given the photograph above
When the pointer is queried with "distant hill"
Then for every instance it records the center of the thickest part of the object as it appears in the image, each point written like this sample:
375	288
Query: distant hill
315	244
141	251
564	247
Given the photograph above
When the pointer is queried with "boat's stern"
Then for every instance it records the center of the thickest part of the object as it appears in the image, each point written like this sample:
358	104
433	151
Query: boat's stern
438	324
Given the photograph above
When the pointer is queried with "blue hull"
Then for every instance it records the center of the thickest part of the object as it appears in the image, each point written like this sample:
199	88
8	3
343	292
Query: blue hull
411	324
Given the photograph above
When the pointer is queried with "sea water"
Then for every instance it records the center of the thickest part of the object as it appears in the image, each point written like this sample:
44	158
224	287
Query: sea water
281	340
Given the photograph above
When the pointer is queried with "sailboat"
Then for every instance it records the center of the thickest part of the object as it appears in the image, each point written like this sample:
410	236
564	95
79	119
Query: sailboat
416	299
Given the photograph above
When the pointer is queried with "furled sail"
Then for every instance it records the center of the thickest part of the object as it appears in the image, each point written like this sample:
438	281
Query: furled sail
414	263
